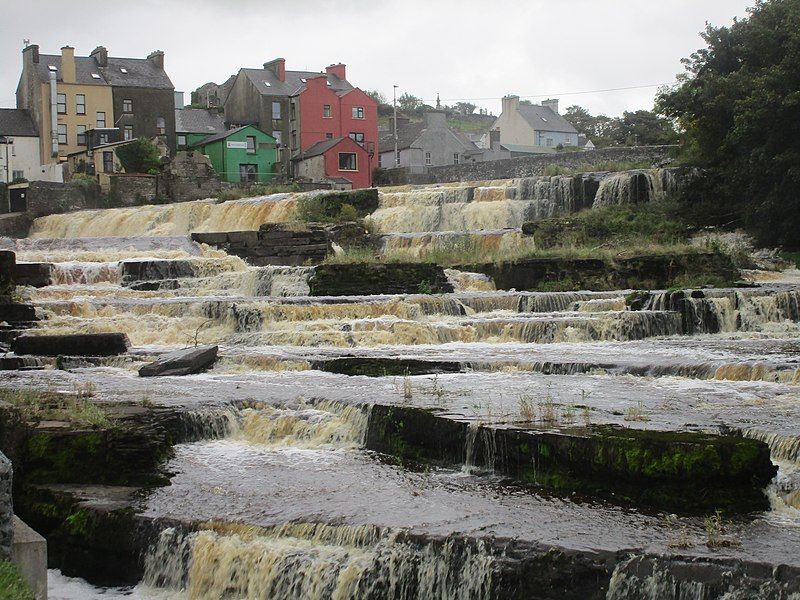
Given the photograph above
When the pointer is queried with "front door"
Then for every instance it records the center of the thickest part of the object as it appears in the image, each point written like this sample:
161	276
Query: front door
248	173
18	199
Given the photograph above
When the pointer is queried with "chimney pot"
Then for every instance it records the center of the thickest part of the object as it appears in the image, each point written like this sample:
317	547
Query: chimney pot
551	104
31	51
277	66
338	69
510	103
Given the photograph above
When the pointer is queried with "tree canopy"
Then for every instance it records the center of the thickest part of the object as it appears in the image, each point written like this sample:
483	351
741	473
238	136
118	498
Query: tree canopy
642	127
139	156
739	105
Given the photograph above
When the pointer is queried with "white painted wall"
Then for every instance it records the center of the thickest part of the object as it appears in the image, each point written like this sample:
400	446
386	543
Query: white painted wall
23	155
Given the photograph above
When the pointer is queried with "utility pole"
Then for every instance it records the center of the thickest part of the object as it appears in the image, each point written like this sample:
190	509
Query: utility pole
394	102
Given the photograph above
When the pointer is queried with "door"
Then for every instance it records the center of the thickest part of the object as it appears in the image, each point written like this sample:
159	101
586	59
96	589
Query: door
248	173
18	199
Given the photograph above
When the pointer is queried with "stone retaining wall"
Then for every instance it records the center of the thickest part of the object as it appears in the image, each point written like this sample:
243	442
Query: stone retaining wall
273	244
535	165
135	190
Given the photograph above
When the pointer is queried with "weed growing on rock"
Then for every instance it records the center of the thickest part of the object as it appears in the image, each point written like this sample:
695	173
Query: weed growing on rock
716	533
636	413
527	412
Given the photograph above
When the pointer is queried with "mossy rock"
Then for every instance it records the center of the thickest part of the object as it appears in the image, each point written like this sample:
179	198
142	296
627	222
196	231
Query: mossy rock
12	586
383	367
367	279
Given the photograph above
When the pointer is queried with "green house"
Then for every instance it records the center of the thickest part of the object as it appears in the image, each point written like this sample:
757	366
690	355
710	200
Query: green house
244	154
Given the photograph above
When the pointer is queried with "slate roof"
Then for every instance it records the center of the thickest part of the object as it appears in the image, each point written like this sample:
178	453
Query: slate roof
17	121
319	148
407	134
520	149
141	72
199	120
293	84
219	136
544	118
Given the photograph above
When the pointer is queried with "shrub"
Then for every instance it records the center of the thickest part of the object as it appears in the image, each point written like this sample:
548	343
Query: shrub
337	207
139	156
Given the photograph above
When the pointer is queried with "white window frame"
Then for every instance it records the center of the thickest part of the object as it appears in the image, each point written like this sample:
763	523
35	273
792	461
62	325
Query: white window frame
358	112
80	104
99	120
354	155
79	134
61	103
127	106
61	131
326	111
428	161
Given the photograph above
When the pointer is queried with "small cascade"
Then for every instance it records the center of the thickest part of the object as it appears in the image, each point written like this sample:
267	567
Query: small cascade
85	273
316	560
636	187
464	281
209	424
600	305
323	424
547	302
276	281
782	447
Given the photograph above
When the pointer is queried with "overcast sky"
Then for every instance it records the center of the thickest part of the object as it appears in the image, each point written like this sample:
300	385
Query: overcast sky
461	49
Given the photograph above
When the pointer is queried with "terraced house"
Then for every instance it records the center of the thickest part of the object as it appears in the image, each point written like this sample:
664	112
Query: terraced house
70	97
303	108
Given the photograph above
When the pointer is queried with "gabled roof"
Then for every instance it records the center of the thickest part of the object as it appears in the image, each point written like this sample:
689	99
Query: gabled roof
140	72
319	148
407	134
17	121
224	134
543	118
199	120
294	82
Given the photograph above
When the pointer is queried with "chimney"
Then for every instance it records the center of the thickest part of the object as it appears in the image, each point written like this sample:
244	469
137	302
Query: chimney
510	104
339	70
31	53
157	58
435	119
494	139
551	104
68	64
277	66
100	55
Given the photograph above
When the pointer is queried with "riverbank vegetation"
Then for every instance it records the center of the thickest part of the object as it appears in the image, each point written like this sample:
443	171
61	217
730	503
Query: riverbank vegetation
737	105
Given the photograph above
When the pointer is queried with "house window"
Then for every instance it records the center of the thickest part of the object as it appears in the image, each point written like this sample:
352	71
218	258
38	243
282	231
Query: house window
101	119
248	173
277	135
127	133
326	111
358	112
80	104
568	140
127	106
294	139
328	136
397	159
161	126
276	110
427	158
549	141
348	161
81	131
181	141
62	133
251	144
357	137
16	175
108	162
103	138
455	158
294	111
61	102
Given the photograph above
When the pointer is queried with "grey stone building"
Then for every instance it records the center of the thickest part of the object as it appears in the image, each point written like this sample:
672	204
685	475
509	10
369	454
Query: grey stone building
430	143
143	95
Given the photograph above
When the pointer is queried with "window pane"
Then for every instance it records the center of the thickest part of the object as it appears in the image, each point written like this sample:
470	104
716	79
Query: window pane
276	110
277	135
101	119
81	131
62	133
127	106
80	104
161	125
326	111
347	161
251	144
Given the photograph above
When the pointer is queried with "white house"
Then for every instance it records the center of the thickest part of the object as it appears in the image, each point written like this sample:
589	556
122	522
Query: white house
537	127
19	149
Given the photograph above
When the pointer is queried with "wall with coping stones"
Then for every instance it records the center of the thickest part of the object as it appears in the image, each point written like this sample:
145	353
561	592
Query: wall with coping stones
134	190
49	198
6	507
532	166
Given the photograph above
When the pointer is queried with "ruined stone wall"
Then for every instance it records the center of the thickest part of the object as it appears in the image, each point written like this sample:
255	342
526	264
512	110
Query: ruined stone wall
191	177
48	198
535	165
273	244
6	507
134	190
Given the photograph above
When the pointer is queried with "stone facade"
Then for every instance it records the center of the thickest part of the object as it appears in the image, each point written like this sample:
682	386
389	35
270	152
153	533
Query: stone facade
6	508
48	198
134	190
190	176
531	166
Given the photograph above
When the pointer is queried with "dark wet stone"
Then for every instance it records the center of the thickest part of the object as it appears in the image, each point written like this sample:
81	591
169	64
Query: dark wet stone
78	344
181	362
380	367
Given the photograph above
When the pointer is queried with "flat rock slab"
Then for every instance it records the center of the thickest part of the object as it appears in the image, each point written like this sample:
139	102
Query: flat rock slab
79	344
181	362
15	312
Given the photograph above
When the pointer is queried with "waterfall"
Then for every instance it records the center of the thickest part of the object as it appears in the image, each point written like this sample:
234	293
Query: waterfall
85	273
782	447
276	281
168	219
316	561
326	423
636	187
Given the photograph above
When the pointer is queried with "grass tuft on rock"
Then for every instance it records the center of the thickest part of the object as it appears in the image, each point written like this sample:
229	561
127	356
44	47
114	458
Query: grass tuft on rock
12	586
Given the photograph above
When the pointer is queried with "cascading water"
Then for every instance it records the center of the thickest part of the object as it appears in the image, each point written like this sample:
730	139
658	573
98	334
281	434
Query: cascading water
316	561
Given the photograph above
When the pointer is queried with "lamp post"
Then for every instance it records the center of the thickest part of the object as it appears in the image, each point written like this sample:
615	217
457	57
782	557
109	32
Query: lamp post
394	103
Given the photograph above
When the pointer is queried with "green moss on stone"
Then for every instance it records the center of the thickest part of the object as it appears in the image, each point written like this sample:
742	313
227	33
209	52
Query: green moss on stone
12	586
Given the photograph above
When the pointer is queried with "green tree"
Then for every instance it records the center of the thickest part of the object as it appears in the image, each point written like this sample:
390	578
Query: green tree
738	103
376	95
464	108
139	156
409	103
